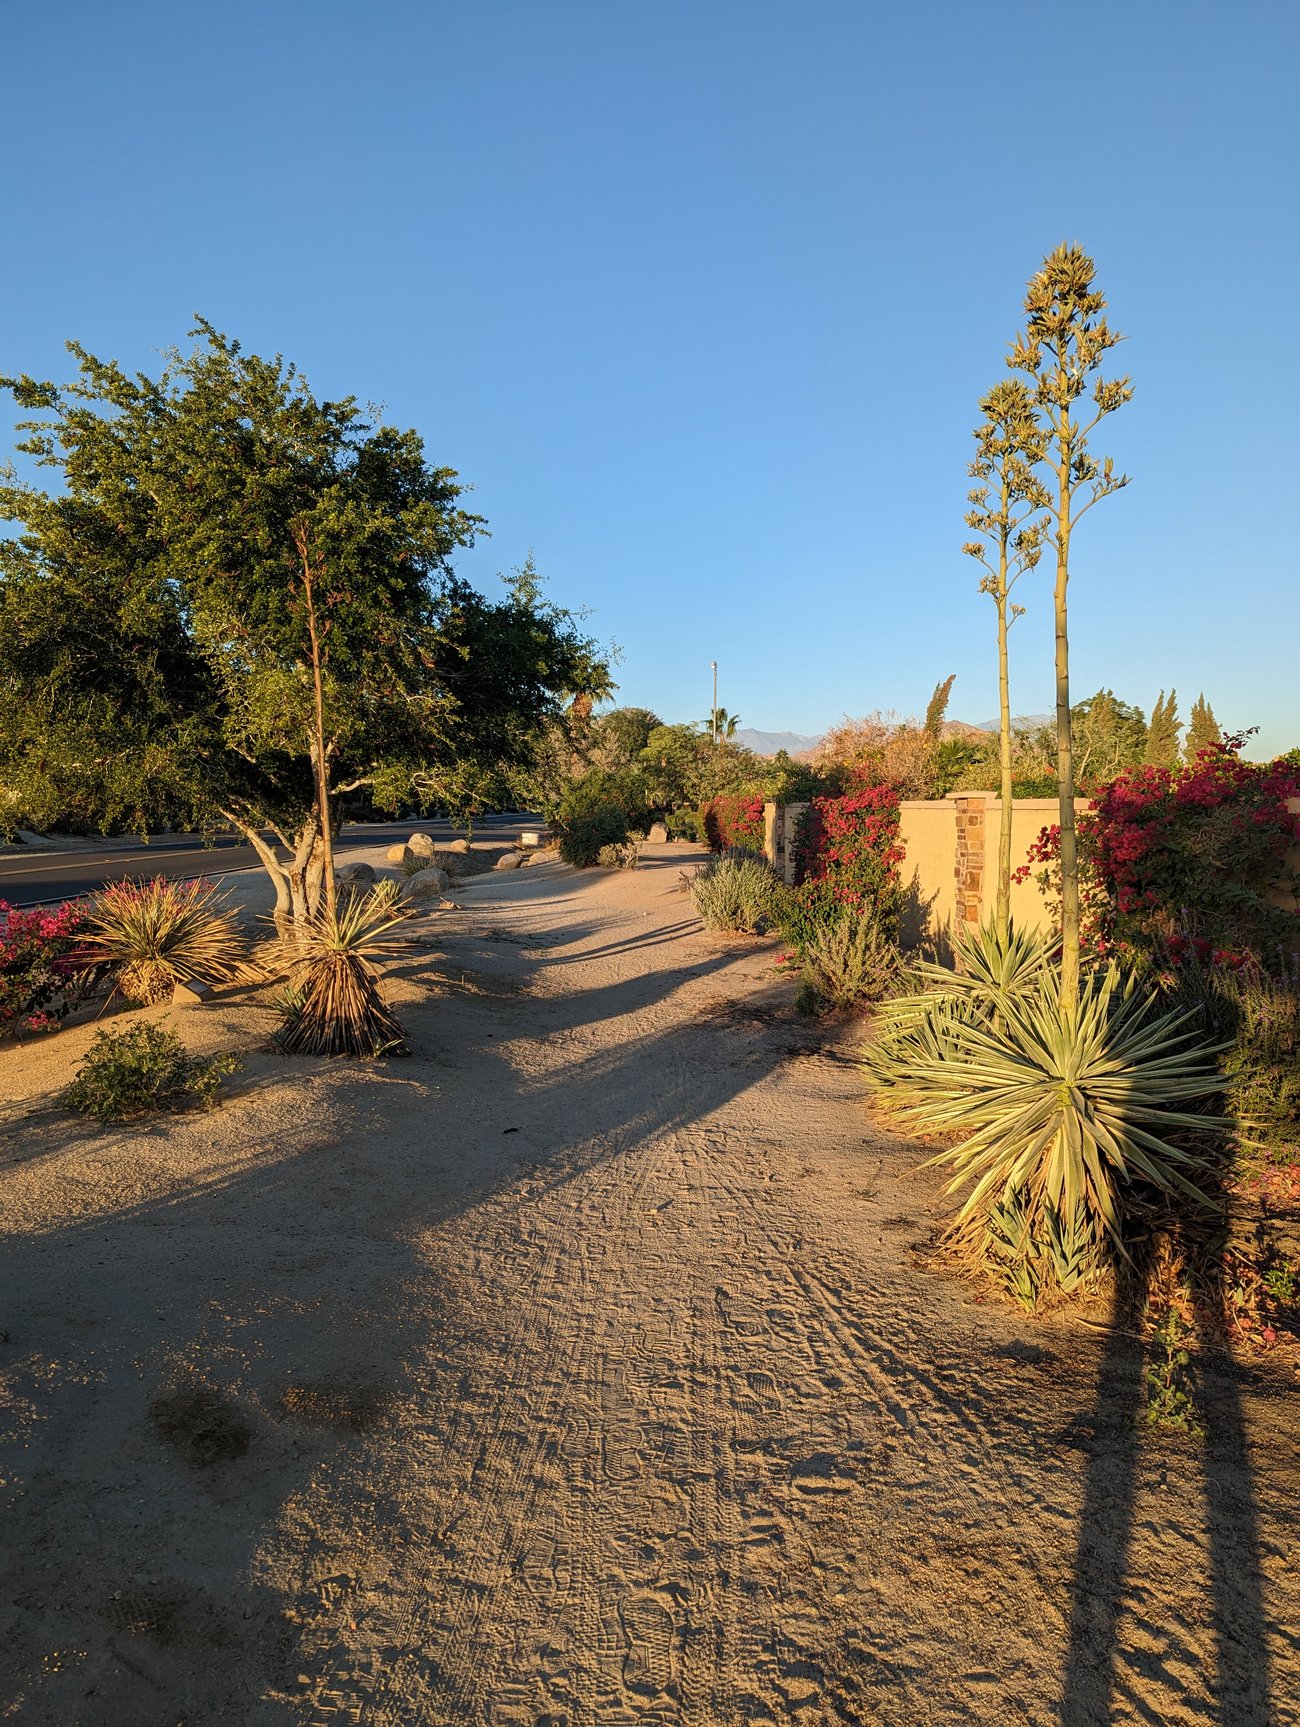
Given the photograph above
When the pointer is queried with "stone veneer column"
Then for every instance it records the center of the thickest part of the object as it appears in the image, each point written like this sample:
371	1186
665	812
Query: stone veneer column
969	868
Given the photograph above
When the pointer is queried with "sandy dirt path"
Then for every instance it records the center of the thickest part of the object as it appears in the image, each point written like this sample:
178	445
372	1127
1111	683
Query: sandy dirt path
584	1370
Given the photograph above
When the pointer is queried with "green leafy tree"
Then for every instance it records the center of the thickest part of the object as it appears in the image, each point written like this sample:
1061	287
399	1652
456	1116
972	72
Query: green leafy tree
1065	340
1009	443
1162	749
671	761
282	568
619	736
1203	729
1109	736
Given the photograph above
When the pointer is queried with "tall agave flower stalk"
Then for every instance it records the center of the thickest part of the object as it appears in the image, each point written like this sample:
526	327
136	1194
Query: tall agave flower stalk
1064	342
1010	442
334	1002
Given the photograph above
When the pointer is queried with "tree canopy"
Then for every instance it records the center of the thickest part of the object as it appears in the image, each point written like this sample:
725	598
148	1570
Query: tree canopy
154	656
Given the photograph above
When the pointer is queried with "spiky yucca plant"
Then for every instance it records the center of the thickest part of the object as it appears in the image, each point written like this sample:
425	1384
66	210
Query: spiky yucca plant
1065	1110
334	1004
993	965
155	934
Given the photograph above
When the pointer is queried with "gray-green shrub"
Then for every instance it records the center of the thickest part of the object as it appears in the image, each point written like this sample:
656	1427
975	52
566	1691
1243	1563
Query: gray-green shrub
739	892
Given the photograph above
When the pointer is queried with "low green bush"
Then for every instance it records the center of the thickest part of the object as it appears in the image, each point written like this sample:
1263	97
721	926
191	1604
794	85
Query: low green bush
849	961
583	836
1255	1012
739	892
618	856
144	1069
684	825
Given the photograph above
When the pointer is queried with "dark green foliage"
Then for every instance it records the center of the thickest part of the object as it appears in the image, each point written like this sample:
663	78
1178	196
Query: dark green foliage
1203	729
585	834
154	652
142	1070
1162	749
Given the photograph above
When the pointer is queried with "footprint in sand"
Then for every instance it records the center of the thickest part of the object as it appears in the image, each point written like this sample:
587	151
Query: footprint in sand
648	1628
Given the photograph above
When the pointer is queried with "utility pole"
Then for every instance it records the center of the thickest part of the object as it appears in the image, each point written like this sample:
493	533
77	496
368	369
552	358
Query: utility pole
714	725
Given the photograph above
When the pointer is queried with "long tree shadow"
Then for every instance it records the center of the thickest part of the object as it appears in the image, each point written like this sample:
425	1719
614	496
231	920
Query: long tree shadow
1094	1691
181	1363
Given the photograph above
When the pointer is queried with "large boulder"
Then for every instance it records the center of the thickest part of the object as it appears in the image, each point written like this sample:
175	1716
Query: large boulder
422	845
658	835
399	854
428	883
507	860
355	872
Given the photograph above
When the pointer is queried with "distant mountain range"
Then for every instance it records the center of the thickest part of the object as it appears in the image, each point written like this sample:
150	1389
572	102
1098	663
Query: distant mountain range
772	743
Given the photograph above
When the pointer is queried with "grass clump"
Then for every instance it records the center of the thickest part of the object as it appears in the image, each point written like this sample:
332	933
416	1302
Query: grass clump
127	1074
737	892
151	935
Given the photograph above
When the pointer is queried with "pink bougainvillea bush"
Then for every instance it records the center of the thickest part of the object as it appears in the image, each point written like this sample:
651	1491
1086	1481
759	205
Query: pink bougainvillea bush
39	962
1186	860
847	854
734	820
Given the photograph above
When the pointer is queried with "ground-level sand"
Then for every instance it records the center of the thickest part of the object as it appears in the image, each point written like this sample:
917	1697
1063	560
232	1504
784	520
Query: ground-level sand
585	1370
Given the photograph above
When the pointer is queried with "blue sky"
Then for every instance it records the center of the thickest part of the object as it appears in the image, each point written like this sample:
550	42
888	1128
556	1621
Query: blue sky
701	295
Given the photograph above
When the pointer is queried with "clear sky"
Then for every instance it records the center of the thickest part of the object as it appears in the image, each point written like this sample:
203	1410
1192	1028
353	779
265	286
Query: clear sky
701	296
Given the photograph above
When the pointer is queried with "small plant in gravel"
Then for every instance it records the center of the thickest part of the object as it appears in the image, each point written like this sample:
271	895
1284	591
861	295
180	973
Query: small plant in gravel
127	1074
1170	1393
737	892
152	935
624	856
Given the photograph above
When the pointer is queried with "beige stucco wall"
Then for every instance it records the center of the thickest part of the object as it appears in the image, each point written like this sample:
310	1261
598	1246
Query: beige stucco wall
928	832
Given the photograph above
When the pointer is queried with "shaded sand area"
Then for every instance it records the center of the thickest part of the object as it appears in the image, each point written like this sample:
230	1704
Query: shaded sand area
583	1370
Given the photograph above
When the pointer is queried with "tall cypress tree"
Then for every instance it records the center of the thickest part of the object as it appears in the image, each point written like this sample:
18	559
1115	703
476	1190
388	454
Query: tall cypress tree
1162	733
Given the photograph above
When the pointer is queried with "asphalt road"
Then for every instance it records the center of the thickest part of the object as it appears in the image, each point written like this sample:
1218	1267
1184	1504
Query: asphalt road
40	878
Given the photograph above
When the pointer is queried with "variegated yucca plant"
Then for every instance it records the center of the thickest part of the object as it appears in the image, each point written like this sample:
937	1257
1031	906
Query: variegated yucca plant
1065	1110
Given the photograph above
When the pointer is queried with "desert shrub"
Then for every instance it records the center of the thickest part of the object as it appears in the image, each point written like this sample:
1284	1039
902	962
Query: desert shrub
684	825
38	966
599	789
152	935
583	836
332	1004
618	856
739	892
733	820
143	1069
1254	1013
849	961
